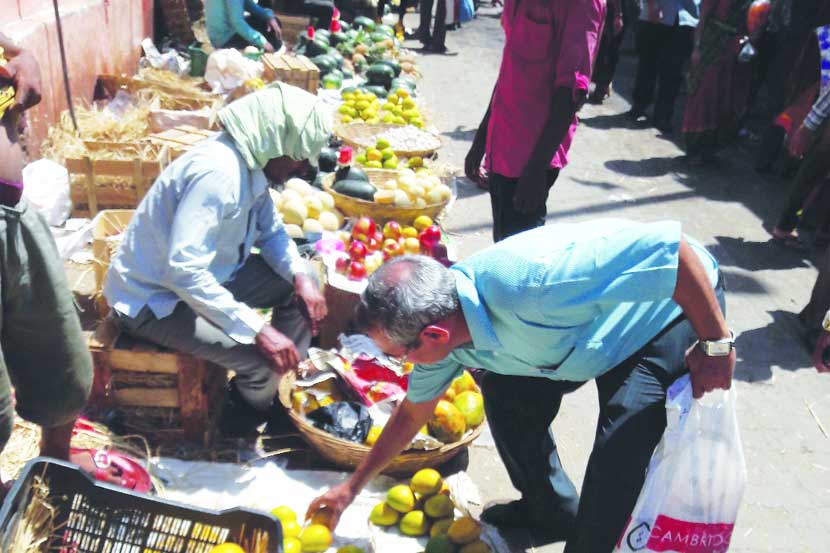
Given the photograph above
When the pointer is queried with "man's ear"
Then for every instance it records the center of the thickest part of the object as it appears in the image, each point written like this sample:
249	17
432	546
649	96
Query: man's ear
434	333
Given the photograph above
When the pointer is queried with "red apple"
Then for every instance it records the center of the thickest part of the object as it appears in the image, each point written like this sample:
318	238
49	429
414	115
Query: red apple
342	264
392	229
357	271
364	226
430	235
372	244
378	236
357	251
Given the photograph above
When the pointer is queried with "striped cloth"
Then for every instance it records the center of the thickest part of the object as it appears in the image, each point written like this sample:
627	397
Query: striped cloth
821	108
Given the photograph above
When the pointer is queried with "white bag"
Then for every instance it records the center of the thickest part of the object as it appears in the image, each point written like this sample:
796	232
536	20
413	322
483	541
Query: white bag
46	187
228	69
695	479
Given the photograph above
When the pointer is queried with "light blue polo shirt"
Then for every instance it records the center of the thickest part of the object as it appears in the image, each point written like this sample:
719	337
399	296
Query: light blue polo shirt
565	302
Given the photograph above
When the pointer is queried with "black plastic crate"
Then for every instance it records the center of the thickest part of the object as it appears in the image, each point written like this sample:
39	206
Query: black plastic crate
95	517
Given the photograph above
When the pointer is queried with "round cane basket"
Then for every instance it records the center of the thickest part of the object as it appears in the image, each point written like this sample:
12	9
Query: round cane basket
365	135
380	213
346	454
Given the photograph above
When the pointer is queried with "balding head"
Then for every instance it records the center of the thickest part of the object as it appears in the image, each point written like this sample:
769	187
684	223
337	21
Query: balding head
405	295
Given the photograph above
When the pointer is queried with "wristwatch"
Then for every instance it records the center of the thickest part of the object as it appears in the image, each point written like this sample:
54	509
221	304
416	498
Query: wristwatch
718	348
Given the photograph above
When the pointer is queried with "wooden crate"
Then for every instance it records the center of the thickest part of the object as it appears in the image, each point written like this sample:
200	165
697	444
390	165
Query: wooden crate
97	184
111	223
181	139
292	27
187	391
292	69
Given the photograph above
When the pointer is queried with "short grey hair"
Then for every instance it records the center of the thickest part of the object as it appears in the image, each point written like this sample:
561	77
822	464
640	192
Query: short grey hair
405	295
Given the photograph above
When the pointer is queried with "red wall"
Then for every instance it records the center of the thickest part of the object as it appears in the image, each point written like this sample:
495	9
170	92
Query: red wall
100	36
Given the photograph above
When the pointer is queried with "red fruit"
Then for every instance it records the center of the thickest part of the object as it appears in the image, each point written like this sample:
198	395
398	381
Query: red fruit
357	271
392	229
429	237
378	236
391	248
373	245
364	226
342	264
357	251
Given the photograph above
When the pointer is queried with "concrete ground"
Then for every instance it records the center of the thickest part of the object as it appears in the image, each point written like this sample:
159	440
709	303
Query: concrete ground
617	171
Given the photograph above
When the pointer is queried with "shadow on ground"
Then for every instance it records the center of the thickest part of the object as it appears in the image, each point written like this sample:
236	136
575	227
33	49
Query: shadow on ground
779	344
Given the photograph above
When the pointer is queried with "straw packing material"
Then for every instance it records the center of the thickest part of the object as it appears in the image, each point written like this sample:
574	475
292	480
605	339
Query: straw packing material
35	526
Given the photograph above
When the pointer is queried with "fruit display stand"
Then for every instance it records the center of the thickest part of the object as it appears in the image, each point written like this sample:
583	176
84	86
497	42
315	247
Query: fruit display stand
365	135
164	395
291	69
349	455
113	175
381	213
80	515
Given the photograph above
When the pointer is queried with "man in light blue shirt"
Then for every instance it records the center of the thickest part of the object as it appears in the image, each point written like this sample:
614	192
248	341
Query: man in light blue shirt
543	312
184	276
665	40
227	26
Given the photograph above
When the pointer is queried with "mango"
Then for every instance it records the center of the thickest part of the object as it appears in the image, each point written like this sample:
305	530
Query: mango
284	513
439	506
447	423
440	544
426	482
477	546
373	435
414	523
351	549
464	530
440	527
401	498
471	405
464	383
292	545
315	539
383	515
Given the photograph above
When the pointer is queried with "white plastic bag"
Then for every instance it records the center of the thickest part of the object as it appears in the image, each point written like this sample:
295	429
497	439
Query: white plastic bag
228	69
695	481
46	187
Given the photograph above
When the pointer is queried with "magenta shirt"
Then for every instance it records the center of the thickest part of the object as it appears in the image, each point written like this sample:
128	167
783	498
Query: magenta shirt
548	44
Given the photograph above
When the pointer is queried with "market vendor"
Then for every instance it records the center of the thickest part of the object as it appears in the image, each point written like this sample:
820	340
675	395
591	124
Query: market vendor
184	276
45	367
228	27
544	312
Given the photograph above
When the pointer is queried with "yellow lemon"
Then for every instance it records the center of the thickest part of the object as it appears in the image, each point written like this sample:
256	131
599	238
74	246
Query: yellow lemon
401	498
373	435
291	529
227	548
374	164
292	545
422	222
414	523
409	232
426	482
315	539
373	154
384	515
284	513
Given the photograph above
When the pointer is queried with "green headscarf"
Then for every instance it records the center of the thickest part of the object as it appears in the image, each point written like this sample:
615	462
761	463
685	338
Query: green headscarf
279	120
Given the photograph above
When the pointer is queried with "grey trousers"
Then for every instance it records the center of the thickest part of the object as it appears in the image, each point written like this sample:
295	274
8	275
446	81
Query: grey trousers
257	285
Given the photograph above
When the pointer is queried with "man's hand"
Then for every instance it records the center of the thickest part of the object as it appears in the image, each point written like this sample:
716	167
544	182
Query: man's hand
268	47
532	190
472	163
708	373
278	349
24	73
820	360
274	25
336	500
310	299
801	141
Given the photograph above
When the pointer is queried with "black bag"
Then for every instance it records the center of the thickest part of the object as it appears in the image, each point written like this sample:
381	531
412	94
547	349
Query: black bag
345	419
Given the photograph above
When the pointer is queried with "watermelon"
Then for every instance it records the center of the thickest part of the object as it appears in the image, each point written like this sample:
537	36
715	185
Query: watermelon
363	22
395	66
333	80
380	74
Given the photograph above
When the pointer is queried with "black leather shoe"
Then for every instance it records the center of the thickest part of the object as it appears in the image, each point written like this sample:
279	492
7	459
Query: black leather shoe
517	514
239	419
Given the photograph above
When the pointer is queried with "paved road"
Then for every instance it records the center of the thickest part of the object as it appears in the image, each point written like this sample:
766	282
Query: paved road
618	171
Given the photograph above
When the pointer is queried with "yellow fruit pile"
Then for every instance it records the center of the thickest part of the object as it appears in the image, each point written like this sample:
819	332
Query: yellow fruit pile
423	507
401	109
461	408
306	209
418	188
359	106
314	538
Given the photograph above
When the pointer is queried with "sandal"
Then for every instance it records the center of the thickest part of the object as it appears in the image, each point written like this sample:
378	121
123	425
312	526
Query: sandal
788	240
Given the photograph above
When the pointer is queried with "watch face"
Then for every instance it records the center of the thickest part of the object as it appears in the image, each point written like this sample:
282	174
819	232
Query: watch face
720	349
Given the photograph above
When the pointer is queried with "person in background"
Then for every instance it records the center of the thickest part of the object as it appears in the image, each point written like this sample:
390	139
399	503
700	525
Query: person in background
665	39
815	317
609	51
543	313
45	366
527	130
433	37
184	276
402	5
227	26
811	142
718	84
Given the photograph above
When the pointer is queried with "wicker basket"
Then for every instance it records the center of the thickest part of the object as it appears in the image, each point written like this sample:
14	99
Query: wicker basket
346	454
380	213
364	135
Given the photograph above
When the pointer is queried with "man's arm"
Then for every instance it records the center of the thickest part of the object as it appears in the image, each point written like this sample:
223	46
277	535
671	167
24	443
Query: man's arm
237	21
472	163
403	425
23	71
694	294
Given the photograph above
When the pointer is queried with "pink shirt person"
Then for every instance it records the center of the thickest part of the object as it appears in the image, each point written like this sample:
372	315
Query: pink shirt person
549	44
